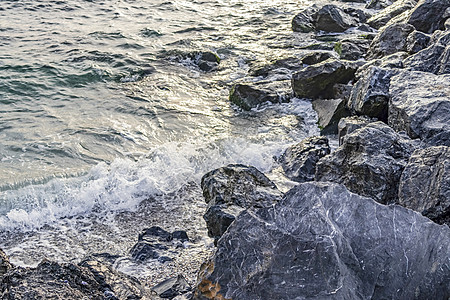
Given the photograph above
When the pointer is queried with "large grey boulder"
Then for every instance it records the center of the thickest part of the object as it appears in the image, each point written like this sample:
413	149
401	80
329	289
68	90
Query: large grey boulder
369	162
304	21
324	242
425	183
329	112
317	81
370	94
349	124
299	161
280	68
231	189
331	18
248	95
90	279
397	8
429	15
5	265
420	105
389	40
417	41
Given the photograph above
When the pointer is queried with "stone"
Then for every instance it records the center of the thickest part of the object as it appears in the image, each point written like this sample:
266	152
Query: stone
342	91
378	4
350	51
420	105
324	242
349	124
389	40
393	61
304	21
172	287
331	18
425	183
369	162
157	243
250	95
88	280
315	57
370	94
299	161
284	66
5	265
204	60
397	8
231	189
428	15
317	81
329	112
417	41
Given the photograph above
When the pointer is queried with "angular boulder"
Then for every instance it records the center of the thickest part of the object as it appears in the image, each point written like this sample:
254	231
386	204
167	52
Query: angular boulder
250	95
172	287
425	184
304	21
317	81
370	94
389	40
417	41
231	189
429	15
329	112
397	8
369	162
350	124
315	57
331	18
324	242
204	60
5	265
420	105
280	67
299	161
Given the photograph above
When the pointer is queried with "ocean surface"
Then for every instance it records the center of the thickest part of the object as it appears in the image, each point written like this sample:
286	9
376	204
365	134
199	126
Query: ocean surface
107	126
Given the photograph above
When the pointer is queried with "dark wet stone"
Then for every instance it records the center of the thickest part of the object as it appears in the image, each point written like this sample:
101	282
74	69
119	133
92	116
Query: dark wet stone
379	4
417	41
205	60
329	112
425	183
369	162
389	40
323	242
420	105
350	51
317	81
428	15
393	61
349	124
315	57
370	94
172	287
397	8
284	66
331	18
342	91
304	21
229	190
250	95
299	161
88	280
5	265
143	251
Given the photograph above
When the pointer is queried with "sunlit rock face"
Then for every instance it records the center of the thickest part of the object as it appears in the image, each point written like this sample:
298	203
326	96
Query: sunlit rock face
324	242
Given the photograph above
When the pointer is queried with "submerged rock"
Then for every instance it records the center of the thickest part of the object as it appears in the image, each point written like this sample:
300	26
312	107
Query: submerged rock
425	184
369	162
317	81
205	60
231	189
251	95
333	19
172	287
5	265
299	161
429	15
379	4
323	242
389	40
420	105
329	112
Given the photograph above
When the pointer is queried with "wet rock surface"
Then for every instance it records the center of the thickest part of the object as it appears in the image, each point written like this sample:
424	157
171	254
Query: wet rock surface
329	112
299	161
429	15
333	19
5	265
350	124
172	287
425	183
389	40
420	105
250	95
369	162
231	189
390	12
361	249
304	21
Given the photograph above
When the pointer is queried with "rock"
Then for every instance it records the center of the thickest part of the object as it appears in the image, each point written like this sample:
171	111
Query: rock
172	287
350	124
51	280
231	189
342	91
350	51
299	161
329	112
428	15
370	94
315	57
323	242
205	60
317	81
434	59
369	162
250	95
417	41
420	105
304	21
447	24
5	265
331	18
393	61
157	243
378	4
397	8
389	40
284	66
425	184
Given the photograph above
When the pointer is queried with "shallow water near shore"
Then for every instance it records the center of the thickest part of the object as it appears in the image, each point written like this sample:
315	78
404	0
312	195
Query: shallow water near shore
106	128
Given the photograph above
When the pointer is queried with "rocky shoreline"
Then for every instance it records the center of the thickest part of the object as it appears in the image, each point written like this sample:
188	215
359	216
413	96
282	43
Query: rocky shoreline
369	220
